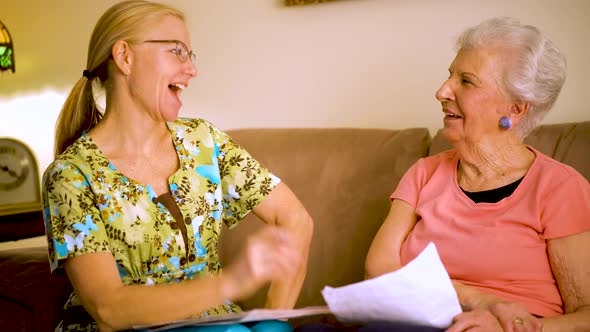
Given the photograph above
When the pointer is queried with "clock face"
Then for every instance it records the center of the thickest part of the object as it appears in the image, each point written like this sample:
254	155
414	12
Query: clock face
14	168
19	178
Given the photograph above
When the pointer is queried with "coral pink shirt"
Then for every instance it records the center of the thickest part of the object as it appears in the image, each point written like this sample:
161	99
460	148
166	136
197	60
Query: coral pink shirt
499	248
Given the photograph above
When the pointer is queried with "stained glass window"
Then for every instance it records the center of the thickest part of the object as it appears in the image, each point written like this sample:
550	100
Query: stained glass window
6	50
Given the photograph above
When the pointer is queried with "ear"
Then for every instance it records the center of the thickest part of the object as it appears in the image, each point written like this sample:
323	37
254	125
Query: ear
519	109
122	56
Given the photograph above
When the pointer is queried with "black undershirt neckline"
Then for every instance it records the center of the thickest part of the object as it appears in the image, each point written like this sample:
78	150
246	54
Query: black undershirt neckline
493	195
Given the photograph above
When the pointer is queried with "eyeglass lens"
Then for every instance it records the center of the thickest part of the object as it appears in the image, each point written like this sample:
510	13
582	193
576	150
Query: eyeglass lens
183	52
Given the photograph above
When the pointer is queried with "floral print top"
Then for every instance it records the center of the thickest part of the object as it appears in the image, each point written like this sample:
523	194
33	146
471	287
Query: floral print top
89	206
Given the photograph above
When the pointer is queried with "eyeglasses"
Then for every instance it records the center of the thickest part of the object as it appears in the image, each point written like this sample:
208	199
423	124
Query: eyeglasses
181	49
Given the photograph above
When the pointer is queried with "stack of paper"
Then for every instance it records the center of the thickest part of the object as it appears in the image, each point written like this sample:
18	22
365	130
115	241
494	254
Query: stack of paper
421	292
240	317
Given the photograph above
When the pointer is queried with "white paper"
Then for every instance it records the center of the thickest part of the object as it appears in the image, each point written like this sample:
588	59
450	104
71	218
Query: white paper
420	292
240	317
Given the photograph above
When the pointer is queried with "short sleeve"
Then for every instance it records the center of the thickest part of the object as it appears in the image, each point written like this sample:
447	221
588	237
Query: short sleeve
409	186
72	221
565	209
244	181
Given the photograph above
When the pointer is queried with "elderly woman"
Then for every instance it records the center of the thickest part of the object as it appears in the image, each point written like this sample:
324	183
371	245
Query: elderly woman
511	224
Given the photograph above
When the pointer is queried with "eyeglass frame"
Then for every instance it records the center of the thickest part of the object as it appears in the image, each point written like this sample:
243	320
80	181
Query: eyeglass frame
179	46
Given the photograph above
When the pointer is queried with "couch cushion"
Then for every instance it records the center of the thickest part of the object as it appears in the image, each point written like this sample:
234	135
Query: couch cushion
21	226
344	178
568	143
31	297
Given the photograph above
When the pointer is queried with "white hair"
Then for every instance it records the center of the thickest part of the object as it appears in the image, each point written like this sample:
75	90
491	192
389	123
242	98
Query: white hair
536	70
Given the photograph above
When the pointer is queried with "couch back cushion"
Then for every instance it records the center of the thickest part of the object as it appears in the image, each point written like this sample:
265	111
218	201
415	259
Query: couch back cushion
344	178
568	143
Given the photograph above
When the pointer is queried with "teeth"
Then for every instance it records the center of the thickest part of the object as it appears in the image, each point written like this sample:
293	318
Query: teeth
452	115
178	86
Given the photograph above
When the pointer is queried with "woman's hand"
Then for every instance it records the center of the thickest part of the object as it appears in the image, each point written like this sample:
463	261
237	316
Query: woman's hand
476	320
511	316
472	298
267	256
505	316
515	317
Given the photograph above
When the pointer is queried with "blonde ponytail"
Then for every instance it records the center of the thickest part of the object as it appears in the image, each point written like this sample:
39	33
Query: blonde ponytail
78	114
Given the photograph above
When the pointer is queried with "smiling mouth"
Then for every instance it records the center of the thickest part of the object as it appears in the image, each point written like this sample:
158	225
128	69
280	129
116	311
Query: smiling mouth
452	116
176	87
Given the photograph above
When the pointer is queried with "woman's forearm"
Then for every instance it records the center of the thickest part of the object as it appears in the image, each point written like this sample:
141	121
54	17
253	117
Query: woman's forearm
283	293
570	322
143	305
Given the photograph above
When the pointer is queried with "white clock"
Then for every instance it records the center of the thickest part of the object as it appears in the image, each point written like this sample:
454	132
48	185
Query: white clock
19	178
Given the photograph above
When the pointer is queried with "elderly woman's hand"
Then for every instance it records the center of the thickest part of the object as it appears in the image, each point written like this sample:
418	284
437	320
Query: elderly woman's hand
476	320
471	298
507	317
515	317
511	316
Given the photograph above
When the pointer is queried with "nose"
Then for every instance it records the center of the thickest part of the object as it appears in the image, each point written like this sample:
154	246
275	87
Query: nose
445	92
190	68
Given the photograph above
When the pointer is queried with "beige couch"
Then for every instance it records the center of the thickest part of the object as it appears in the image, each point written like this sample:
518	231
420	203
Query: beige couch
342	176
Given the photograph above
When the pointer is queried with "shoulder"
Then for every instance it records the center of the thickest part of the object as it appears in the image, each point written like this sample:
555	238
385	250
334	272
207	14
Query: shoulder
432	163
187	123
192	124
195	128
563	195
556	172
186	126
75	160
432	167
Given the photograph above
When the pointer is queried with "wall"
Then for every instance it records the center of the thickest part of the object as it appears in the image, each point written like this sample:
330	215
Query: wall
347	63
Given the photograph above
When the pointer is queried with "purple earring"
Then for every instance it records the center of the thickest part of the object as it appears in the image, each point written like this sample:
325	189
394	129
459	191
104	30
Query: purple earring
505	123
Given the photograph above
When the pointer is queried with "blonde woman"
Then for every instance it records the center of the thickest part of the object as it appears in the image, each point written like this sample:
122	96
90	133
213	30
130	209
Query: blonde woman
135	198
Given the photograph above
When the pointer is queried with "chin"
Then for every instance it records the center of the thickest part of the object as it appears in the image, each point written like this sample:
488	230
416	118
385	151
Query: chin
451	135
171	115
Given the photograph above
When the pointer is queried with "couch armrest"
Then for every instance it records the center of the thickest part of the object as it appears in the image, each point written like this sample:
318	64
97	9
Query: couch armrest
21	226
31	298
